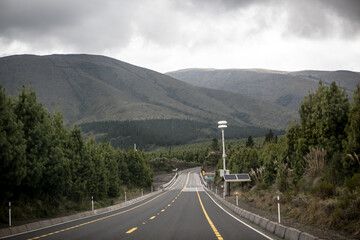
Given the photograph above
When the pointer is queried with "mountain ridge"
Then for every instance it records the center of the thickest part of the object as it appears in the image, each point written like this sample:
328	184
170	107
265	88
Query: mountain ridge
90	88
284	88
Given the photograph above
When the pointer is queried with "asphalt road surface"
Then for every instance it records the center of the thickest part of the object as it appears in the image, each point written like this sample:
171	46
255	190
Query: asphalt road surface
185	211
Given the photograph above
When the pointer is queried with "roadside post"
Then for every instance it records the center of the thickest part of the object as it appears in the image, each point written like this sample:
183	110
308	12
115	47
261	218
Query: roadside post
125	196
92	203
9	214
237	199
222	186
278	201
142	192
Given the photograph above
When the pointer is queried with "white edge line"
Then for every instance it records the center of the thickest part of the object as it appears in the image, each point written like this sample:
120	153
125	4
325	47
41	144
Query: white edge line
237	218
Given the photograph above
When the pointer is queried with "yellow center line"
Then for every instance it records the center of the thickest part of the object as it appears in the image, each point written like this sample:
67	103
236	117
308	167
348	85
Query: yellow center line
152	217
209	220
131	230
99	219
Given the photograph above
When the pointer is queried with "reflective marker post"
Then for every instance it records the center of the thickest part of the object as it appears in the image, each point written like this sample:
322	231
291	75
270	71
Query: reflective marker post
125	196
9	214
237	199
278	200
142	192
92	203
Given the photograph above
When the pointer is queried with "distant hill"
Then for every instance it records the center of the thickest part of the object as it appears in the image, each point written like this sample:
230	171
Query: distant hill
88	88
104	95
283	88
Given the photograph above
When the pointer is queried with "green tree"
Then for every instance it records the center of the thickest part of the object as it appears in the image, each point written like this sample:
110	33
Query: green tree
250	142
215	145
269	136
139	170
96	174
75	153
57	174
352	145
112	169
353	129
36	124
323	118
12	149
244	160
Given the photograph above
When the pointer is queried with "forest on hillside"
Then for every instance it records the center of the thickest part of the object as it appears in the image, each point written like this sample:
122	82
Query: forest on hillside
44	164
155	133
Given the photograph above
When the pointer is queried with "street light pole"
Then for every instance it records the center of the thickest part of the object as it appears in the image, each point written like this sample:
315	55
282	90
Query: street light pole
223	147
222	126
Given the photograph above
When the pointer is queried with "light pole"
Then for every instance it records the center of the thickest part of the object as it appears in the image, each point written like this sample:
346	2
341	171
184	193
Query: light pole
222	126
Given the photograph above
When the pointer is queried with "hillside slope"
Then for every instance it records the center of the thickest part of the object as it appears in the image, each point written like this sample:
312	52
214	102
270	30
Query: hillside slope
88	88
283	88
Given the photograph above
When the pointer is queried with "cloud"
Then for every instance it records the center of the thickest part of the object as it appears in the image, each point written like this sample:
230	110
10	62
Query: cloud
305	18
79	24
166	34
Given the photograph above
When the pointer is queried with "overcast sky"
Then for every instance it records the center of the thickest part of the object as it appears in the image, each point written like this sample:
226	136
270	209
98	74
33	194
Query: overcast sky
167	35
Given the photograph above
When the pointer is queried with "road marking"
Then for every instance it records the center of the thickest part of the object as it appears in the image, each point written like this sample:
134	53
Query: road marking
113	215
209	220
99	219
131	230
152	217
237	218
163	210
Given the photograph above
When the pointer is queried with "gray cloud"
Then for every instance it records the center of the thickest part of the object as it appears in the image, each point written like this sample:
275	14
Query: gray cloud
77	24
305	18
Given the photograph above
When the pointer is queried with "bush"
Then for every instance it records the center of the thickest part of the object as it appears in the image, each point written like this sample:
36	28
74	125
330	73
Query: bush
353	182
323	189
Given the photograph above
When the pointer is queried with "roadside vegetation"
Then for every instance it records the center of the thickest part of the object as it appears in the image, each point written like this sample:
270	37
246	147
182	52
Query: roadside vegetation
47	169
315	167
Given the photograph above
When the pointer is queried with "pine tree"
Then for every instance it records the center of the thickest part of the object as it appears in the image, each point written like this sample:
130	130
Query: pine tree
12	149
36	125
215	145
250	142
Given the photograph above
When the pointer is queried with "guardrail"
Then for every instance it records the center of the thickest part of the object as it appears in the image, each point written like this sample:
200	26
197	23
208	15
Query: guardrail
202	180
170	182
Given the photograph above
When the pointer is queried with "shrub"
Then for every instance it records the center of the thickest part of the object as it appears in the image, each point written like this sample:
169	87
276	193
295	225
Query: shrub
323	189
353	182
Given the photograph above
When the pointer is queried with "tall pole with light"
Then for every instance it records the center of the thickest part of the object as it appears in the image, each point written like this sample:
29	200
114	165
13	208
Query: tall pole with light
222	126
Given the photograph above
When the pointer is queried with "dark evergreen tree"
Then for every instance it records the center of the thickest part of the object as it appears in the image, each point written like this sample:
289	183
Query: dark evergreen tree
250	142
12	149
36	124
269	136
215	145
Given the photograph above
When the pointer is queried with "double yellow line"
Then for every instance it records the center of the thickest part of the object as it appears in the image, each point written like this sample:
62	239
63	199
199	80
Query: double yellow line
208	219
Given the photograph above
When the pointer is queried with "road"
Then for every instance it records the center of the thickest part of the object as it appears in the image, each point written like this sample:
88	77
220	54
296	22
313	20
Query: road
185	211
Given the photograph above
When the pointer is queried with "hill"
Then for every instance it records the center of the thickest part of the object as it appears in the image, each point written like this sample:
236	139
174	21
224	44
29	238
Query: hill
101	94
88	88
283	88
